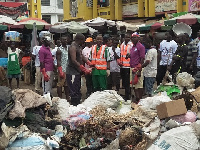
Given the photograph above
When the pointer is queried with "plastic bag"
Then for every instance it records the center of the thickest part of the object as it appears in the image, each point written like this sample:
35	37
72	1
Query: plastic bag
152	102
107	98
184	79
153	129
180	138
188	117
124	108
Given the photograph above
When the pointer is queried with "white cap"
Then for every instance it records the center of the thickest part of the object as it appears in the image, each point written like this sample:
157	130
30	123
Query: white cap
47	38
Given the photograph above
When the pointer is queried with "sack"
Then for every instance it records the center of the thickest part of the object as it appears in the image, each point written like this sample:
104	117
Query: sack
180	138
6	101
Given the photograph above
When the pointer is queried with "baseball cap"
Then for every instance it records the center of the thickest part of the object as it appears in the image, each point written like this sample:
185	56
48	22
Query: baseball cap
89	39
47	38
135	34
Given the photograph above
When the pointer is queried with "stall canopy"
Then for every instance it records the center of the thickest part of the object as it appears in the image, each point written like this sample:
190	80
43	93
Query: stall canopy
128	26
99	22
153	26
188	19
6	20
13	9
28	23
71	27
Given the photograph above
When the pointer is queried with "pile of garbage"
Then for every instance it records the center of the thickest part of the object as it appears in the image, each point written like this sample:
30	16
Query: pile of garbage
104	121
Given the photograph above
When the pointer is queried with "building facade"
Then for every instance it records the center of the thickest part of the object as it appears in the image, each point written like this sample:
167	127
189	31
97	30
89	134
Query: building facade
52	11
119	9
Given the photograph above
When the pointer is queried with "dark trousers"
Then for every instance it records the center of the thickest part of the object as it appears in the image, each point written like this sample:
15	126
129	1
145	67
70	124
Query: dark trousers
125	75
161	73
74	83
114	80
89	85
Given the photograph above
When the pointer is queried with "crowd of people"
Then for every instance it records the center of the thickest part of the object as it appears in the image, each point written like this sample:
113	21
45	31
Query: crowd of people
104	61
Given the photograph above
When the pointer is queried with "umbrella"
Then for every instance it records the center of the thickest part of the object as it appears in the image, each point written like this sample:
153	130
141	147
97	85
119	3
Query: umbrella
127	25
182	28
153	26
28	23
72	27
6	20
188	19
100	22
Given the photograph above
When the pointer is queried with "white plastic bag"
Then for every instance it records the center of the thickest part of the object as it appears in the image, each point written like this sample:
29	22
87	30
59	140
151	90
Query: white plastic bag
107	98
152	102
184	79
180	138
153	129
124	108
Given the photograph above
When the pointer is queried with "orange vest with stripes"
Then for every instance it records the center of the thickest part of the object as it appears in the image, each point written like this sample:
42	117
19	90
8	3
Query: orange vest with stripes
98	58
125	62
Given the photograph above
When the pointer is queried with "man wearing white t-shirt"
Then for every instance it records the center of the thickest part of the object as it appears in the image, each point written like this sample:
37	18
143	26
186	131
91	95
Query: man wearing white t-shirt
86	52
114	78
166	51
38	76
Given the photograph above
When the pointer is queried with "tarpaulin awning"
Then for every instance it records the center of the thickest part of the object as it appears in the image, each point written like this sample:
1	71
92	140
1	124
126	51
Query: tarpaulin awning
166	28
28	23
6	20
72	27
3	27
13	9
128	26
188	19
154	26
99	22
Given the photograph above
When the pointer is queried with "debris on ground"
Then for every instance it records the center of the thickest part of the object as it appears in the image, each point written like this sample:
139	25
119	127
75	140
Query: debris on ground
104	121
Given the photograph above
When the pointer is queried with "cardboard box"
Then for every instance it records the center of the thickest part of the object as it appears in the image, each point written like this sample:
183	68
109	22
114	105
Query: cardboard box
172	108
196	94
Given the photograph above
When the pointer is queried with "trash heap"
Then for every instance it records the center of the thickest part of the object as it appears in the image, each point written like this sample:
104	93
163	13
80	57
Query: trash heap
104	121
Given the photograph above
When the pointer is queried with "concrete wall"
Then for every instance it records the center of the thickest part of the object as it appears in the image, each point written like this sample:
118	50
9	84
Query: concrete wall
52	10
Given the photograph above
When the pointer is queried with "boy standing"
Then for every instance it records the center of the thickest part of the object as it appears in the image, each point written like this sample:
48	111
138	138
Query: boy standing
114	77
86	52
13	64
62	62
150	67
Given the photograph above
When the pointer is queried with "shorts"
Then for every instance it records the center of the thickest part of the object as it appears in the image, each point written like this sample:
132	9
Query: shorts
139	85
61	81
149	82
10	76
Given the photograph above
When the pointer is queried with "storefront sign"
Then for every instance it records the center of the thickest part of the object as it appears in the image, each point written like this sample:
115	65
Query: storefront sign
165	5
194	5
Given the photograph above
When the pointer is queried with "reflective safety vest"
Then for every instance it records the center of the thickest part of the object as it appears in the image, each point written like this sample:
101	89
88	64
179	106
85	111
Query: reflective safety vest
125	62
98	58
